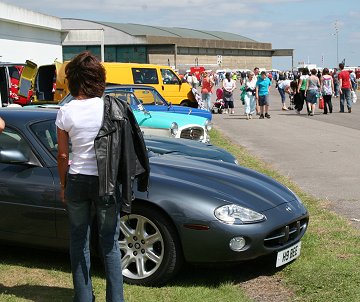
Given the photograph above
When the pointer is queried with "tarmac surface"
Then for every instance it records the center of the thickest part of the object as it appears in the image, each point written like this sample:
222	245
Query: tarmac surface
320	153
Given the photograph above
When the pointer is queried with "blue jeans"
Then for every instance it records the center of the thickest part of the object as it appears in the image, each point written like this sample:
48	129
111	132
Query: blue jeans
206	97
345	95
282	95
82	191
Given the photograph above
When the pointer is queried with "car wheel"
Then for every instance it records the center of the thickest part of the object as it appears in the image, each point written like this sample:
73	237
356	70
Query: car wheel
150	249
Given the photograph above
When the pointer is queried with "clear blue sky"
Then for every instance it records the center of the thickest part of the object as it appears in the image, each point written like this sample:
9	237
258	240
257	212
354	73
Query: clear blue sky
308	26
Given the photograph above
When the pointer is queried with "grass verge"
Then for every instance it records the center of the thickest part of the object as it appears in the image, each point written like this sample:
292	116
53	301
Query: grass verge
328	268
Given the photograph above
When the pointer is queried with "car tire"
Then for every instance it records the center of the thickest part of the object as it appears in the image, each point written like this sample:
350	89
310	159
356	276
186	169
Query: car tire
150	248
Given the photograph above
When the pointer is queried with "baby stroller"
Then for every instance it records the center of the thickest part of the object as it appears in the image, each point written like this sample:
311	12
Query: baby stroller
292	103
219	104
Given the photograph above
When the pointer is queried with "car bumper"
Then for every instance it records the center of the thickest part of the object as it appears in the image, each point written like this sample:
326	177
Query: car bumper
269	236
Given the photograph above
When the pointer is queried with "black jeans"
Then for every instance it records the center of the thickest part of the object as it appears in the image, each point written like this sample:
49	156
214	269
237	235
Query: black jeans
327	104
299	101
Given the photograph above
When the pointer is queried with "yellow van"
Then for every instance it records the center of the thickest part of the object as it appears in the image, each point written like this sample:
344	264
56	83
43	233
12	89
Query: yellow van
162	78
47	82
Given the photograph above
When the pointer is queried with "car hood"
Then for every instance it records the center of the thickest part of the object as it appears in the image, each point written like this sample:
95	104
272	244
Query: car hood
192	111
180	146
160	119
221	183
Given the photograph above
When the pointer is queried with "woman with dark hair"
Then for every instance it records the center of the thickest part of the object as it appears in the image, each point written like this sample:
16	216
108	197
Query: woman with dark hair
228	86
327	89
299	105
312	91
80	121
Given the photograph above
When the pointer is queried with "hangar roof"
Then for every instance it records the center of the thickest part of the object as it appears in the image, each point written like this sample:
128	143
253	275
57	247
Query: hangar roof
175	32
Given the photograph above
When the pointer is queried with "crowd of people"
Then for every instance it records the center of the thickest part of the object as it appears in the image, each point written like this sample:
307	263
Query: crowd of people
304	87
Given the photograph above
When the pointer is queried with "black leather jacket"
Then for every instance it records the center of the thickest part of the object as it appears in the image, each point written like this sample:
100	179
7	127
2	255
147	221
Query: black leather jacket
120	153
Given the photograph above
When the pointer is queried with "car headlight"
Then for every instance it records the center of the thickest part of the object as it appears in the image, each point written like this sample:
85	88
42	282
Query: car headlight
208	125
234	214
174	128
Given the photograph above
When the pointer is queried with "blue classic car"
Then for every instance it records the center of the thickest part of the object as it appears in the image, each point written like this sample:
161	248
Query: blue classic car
152	100
161	123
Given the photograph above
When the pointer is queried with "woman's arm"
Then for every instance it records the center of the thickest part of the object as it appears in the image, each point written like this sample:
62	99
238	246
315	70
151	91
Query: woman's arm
321	83
307	85
62	159
2	125
299	85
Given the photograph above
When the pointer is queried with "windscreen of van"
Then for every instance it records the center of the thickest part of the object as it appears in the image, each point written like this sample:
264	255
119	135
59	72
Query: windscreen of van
145	76
169	77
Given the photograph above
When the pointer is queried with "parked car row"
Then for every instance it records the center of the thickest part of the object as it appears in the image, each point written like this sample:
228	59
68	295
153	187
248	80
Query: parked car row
162	123
154	114
197	210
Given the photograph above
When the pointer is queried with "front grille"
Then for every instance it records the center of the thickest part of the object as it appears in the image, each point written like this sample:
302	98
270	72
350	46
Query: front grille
193	133
287	233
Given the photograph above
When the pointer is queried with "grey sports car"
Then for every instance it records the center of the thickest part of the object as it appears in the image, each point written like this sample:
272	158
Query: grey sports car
196	210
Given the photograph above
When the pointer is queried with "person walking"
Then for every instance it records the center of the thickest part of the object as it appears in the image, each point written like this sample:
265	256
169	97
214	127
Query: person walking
327	89
312	91
228	86
206	90
353	80
262	94
250	99
299	103
345	88
257	76
90	181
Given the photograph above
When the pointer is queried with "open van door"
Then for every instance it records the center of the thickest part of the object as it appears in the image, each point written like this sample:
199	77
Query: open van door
47	82
60	86
26	82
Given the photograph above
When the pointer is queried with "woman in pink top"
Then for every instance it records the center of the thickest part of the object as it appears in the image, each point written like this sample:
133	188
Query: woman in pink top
327	89
206	90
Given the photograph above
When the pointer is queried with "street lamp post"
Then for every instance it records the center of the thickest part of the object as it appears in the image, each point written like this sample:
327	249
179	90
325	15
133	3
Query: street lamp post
337	41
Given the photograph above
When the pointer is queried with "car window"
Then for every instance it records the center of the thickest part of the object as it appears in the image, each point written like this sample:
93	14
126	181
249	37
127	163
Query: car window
145	96
125	96
11	140
158	99
45	131
145	76
14	73
169	77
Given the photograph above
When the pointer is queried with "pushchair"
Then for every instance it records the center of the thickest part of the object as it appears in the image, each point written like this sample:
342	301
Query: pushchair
219	104
292	102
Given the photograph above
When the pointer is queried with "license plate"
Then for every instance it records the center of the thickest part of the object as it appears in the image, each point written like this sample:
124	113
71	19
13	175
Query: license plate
288	255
